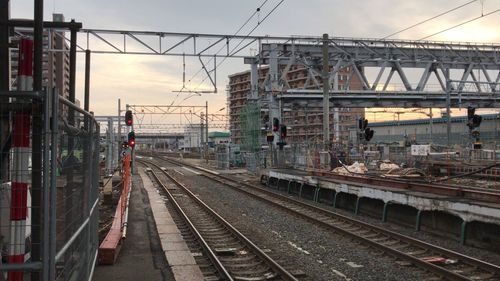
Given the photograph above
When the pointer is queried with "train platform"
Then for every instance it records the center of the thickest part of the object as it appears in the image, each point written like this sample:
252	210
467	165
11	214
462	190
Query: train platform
141	256
465	212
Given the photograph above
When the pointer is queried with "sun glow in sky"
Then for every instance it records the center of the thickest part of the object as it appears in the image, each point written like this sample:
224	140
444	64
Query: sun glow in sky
154	79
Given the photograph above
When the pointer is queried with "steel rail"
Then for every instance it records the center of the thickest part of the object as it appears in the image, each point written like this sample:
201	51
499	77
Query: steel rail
492	268
283	273
211	255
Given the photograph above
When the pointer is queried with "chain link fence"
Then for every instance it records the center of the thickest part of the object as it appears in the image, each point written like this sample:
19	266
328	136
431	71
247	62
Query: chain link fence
49	188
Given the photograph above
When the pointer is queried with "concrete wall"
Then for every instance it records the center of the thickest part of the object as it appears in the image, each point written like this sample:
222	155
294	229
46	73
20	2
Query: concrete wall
455	218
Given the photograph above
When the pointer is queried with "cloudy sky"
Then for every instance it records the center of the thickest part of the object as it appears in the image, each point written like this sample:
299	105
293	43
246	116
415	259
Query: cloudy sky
152	79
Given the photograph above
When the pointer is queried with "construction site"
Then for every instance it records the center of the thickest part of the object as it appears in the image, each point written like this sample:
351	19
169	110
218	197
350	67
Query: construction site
325	157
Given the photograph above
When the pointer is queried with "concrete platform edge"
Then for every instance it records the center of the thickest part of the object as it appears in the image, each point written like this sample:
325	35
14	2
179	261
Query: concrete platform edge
174	247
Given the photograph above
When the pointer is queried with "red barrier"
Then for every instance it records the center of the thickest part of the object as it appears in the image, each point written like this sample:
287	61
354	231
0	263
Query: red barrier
110	246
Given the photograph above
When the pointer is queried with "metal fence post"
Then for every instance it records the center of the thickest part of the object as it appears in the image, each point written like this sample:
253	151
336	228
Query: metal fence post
46	185
53	183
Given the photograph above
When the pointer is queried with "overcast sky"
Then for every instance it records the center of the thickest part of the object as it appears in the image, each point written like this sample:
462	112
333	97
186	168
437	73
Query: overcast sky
151	79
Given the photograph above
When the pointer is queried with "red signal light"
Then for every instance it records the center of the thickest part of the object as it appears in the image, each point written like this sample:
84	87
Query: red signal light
131	143
131	139
128	118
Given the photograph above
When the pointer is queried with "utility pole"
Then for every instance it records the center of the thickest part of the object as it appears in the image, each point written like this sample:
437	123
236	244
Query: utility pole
326	94
274	109
201	135
37	124
4	86
119	124
448	110
336	111
206	130
86	103
430	123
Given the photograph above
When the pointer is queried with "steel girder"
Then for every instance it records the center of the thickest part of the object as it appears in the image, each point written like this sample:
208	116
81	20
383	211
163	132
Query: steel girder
393	57
389	58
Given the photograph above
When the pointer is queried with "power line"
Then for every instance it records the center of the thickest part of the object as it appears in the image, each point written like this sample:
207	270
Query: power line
222	47
241	27
243	39
460	24
429	19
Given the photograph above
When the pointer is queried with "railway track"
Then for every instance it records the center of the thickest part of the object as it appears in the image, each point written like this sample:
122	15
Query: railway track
439	261
227	254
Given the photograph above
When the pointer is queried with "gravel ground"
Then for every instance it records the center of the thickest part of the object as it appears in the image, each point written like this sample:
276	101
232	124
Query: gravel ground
444	242
321	254
409	231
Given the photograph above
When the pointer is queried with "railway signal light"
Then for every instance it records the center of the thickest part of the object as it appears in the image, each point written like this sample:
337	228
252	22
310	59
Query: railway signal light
129	118
283	131
131	139
365	133
362	124
476	120
124	145
470	112
369	134
473	120
276	124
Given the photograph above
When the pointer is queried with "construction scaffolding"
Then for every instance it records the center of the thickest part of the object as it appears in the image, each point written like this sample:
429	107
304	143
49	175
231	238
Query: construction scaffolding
250	136
250	128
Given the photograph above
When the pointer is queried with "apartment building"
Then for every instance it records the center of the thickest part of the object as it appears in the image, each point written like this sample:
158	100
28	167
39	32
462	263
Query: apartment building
304	118
55	64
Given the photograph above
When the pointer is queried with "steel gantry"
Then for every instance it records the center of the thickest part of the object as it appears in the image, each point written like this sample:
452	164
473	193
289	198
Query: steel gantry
465	73
210	120
156	130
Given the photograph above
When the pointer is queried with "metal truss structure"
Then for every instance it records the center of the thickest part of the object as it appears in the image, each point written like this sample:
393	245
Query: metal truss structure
207	47
210	120
160	135
476	68
174	126
477	84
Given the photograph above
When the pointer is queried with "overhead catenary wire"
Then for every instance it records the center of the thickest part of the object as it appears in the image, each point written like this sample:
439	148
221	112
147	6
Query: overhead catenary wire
462	23
429	19
232	52
256	12
221	48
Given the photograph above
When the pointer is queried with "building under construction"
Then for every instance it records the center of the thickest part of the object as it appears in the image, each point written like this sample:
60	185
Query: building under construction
55	64
303	118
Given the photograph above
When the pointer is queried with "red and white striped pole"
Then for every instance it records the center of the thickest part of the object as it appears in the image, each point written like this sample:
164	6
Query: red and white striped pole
21	174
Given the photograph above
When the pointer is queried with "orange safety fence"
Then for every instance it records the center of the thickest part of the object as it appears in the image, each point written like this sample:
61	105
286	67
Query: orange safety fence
110	246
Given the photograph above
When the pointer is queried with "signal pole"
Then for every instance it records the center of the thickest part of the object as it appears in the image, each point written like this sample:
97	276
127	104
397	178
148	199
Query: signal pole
326	94
206	131
448	110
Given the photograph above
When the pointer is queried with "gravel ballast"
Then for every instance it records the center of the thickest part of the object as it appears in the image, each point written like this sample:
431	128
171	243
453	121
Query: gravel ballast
321	254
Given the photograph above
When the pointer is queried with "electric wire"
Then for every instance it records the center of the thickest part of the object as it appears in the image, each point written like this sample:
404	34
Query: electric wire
222	47
460	24
429	19
232	52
